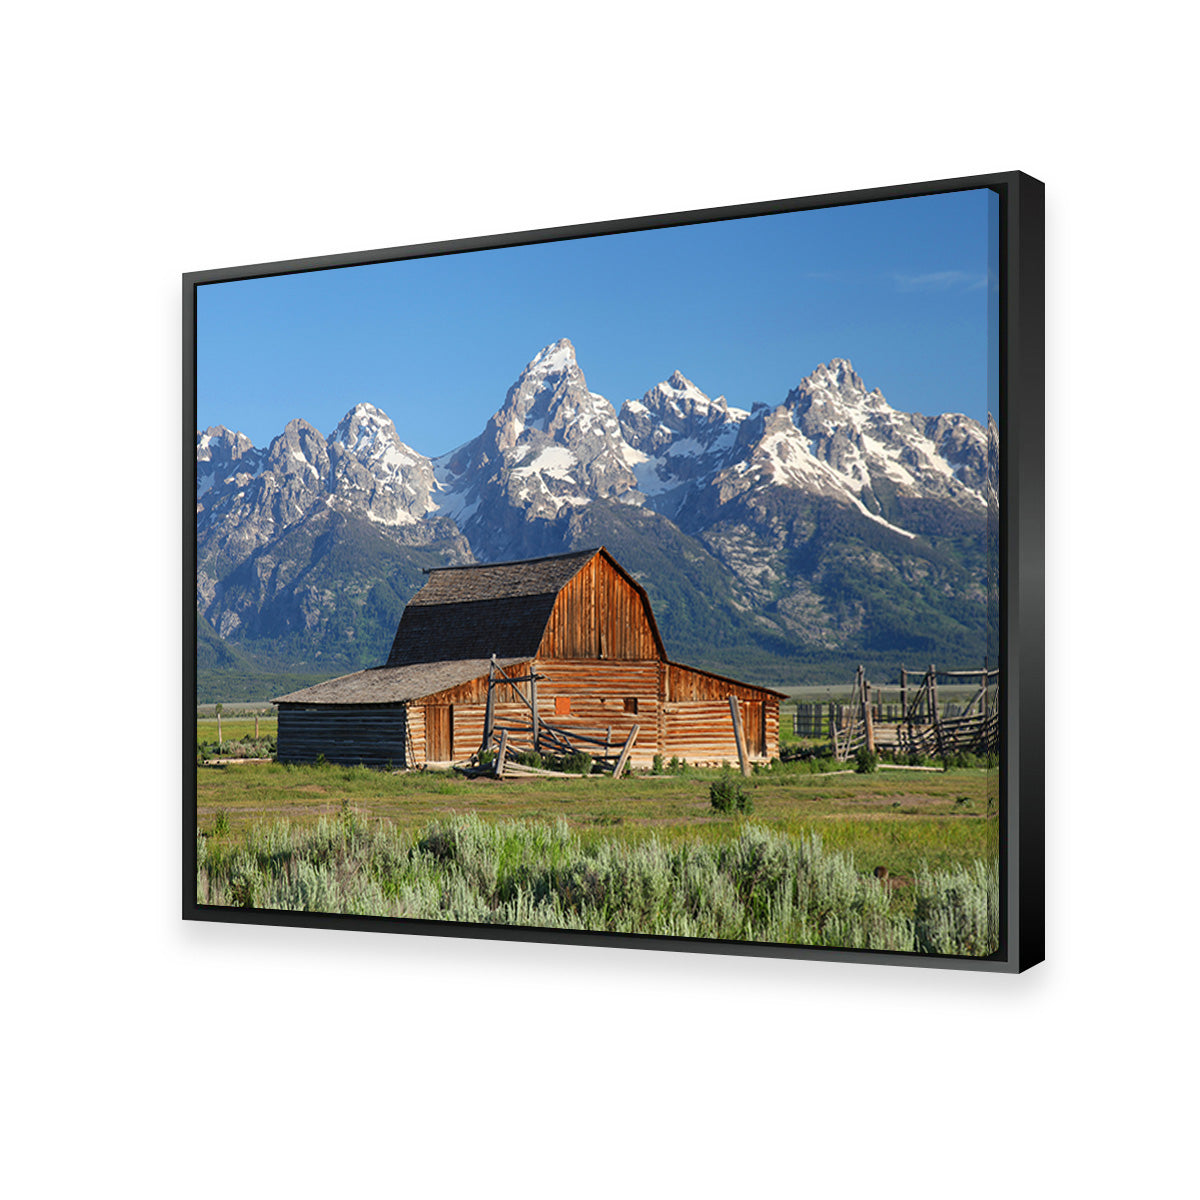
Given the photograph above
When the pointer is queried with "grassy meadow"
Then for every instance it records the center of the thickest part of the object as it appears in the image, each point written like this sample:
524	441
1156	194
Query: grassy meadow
890	859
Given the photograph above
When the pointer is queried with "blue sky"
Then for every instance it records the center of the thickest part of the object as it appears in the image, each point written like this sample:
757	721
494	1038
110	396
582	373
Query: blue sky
744	308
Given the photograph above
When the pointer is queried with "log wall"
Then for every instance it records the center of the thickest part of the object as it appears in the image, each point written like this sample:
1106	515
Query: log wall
597	692
468	725
474	691
374	737
416	736
702	730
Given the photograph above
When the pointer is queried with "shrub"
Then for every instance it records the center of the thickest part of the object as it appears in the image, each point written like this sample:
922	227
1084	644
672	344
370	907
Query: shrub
220	823
727	794
759	885
657	768
578	763
957	911
243	885
865	761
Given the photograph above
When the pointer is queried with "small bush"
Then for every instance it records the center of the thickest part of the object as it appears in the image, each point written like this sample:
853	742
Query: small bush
865	761
243	885
727	794
220	823
657	767
579	763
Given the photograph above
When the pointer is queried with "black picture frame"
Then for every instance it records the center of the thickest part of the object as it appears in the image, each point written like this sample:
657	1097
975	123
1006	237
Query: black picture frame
1021	565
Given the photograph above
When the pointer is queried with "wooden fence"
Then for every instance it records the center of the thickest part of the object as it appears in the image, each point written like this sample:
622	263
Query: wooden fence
815	721
909	718
537	735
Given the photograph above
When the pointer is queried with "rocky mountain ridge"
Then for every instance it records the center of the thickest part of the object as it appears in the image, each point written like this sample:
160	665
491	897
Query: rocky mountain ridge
806	518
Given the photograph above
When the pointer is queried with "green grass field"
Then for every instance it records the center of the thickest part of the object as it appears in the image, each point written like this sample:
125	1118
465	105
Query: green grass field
234	728
645	853
896	819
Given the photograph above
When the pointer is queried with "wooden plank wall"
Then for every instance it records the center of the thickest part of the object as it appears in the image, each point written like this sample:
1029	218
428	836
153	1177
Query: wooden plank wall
701	731
599	615
416	735
698	723
474	691
687	683
597	692
372	736
468	724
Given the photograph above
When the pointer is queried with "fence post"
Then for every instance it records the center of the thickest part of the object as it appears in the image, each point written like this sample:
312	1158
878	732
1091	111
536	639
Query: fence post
738	736
867	716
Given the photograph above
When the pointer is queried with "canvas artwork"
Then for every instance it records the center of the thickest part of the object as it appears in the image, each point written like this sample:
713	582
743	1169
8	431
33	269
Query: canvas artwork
641	582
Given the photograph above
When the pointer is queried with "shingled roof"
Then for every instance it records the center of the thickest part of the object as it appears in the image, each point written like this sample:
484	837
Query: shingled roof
393	685
477	611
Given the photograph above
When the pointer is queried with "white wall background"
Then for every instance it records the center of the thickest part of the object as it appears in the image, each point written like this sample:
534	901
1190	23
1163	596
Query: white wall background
146	1058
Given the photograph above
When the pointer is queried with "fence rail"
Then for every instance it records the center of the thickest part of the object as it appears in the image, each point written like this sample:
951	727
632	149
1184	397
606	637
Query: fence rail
920	722
816	720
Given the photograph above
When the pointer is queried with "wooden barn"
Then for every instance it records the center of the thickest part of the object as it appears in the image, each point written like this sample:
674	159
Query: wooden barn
575	630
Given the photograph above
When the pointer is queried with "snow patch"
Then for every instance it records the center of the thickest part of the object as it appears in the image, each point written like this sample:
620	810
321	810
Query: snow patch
401	518
558	356
555	461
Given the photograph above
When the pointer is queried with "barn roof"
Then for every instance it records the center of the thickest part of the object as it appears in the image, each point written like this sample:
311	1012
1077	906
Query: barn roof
393	685
502	581
489	608
461	617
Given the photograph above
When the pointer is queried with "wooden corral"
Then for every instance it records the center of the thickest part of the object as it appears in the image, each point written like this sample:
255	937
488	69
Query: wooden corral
576	636
919	724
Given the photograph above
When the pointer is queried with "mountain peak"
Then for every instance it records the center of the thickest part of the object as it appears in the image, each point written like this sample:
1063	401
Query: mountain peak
839	373
836	383
217	441
363	424
553	359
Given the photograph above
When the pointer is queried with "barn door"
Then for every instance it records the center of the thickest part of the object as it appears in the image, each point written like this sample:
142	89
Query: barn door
754	728
439	733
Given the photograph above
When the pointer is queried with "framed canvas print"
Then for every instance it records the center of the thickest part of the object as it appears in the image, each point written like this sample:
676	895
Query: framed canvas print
670	582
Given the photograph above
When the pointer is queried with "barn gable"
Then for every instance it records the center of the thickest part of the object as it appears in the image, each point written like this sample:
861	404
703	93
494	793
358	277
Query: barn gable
578	605
601	612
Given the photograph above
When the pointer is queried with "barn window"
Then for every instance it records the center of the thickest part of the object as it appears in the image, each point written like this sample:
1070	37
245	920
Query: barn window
631	704
562	706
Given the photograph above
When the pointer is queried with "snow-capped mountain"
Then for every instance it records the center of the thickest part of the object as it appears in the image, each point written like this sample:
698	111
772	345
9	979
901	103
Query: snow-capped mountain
373	472
874	447
790	520
553	444
262	515
679	437
221	453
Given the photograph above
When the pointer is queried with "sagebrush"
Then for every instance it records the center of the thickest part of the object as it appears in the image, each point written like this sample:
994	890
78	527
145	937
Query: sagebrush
761	886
